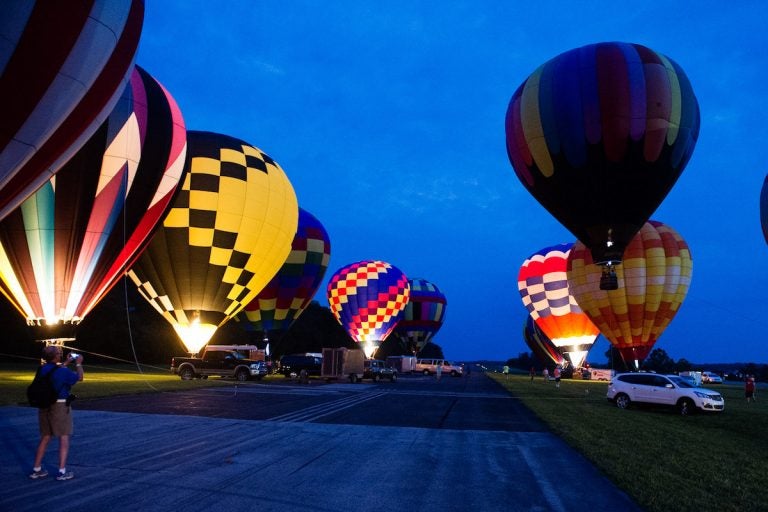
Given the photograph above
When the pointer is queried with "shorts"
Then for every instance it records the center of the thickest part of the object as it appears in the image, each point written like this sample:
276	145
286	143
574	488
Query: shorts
56	420
749	394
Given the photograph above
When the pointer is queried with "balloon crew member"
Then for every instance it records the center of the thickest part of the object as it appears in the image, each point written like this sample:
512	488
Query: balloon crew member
56	420
557	376
749	388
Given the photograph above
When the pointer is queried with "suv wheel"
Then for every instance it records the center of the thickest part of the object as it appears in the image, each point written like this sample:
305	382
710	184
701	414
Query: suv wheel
426	372
454	373
376	377
686	407
242	375
622	401
393	378
186	373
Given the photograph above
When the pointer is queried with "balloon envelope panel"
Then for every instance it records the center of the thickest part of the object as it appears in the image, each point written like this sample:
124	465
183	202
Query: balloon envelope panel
368	298
653	282
228	232
63	66
764	209
541	346
289	293
423	315
599	135
66	245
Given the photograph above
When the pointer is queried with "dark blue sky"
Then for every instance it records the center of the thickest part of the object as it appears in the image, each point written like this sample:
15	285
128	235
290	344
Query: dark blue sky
388	117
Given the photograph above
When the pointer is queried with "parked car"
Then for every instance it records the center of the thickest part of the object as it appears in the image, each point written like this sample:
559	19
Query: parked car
291	365
376	370
625	389
429	367
711	378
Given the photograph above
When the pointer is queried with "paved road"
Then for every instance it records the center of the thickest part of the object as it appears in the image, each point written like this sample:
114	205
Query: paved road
456	444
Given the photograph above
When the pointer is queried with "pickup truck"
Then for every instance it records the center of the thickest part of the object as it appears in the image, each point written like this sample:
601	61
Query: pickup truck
225	362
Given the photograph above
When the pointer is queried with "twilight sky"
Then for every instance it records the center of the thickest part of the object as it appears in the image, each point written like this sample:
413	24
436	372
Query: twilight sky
388	118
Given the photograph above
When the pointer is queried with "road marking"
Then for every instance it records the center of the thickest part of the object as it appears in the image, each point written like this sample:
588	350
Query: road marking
315	412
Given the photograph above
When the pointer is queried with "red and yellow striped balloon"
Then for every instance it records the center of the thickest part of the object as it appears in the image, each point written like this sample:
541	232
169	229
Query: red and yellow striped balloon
653	281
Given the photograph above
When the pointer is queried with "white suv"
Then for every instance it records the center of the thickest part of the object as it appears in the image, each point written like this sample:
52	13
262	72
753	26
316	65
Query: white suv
671	390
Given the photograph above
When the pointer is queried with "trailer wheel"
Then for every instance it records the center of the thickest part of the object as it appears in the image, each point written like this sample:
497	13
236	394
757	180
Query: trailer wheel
353	378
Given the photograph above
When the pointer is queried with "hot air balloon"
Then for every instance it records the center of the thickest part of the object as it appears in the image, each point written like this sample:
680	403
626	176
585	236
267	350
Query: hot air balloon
764	209
368	298
288	293
653	279
423	315
599	135
65	246
63	66
543	286
541	346
227	234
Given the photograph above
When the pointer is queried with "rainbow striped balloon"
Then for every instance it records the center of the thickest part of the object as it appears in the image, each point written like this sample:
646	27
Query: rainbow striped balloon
424	314
599	135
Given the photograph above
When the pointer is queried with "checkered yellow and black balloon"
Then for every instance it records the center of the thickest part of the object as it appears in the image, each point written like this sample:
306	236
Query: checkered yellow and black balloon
227	234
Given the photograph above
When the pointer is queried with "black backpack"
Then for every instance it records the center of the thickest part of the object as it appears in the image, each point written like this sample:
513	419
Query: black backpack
42	393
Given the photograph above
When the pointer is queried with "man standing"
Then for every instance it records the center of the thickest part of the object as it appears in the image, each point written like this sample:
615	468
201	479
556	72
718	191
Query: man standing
557	376
56	420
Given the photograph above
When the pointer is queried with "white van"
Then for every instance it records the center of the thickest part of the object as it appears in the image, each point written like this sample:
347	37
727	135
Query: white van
429	367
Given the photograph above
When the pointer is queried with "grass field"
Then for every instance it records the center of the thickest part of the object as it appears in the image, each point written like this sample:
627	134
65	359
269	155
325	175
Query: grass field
664	461
102	381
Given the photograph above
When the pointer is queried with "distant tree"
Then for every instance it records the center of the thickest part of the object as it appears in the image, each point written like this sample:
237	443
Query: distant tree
659	361
392	346
314	330
524	361
431	351
683	365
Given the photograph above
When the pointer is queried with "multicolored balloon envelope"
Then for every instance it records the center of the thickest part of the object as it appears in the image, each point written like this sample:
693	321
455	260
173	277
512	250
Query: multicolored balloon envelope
65	246
541	346
423	315
543	286
288	293
654	280
63	66
368	298
764	209
227	234
599	135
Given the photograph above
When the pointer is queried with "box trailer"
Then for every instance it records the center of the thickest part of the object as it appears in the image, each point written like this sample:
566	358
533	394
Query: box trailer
403	364
340	363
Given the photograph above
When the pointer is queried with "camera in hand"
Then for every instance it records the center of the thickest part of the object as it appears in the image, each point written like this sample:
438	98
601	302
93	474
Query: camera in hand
74	355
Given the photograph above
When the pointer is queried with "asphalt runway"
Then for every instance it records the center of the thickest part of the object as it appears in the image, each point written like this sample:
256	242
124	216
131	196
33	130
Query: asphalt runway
416	444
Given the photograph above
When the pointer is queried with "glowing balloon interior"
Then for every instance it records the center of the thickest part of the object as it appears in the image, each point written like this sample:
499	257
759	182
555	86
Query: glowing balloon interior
65	247
228	232
543	285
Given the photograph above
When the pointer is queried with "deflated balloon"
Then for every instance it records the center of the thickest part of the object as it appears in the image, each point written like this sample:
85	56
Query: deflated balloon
289	293
653	282
367	298
541	346
543	285
63	66
64	247
423	315
599	135
227	234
